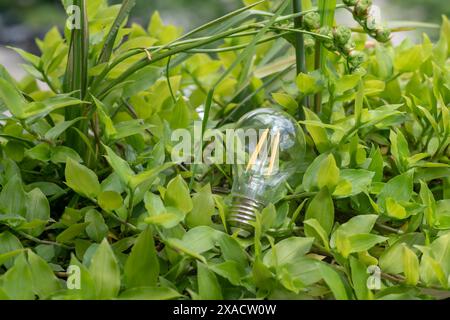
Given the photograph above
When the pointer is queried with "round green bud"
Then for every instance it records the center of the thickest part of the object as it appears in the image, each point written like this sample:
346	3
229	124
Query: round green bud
309	40
371	23
328	44
342	36
383	34
312	21
361	9
356	59
349	47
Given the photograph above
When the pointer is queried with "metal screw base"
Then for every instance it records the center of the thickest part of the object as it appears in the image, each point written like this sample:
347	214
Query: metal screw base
242	214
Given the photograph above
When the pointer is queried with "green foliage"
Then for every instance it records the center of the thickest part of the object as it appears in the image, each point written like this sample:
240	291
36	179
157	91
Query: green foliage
87	182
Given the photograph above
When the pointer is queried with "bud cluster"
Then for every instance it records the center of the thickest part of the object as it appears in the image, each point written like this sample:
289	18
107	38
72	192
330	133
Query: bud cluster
341	42
361	13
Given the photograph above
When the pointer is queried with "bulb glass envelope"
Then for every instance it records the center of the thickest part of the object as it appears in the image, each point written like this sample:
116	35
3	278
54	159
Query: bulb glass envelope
269	148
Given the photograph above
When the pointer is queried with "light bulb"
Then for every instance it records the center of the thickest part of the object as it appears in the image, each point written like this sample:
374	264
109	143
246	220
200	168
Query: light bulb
270	146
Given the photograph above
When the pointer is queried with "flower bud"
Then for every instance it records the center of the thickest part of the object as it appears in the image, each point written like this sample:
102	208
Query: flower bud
383	34
329	44
371	23
312	21
356	59
349	47
310	43
342	36
362	8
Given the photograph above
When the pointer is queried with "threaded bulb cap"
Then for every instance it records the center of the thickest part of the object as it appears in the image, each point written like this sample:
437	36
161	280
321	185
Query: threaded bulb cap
243	214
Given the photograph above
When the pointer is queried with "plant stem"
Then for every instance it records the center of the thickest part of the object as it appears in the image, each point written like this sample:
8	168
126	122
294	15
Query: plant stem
34	239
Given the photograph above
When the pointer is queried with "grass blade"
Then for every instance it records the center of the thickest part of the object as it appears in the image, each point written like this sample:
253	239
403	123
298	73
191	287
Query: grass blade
76	74
108	47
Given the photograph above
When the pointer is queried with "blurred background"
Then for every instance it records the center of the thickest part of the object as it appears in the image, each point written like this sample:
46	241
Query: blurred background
21	21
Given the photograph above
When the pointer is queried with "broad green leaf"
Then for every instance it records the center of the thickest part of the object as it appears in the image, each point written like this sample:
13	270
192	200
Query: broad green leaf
315	230
120	166
321	208
359	279
307	84
82	179
38	208
328	174
142	266
399	188
44	281
177	195
71	232
12	98
230	270
334	282
208	286
105	272
232	250
17	282
9	243
96	227
410	266
13	198
110	200
318	134
203	208
287	250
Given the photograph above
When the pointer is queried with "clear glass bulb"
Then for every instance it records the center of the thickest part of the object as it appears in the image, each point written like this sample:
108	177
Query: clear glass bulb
269	149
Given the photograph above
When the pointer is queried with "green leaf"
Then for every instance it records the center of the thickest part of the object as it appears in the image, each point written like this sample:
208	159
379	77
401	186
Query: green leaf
203	208
315	230
230	270
334	282
105	272
12	98
60	154
328	174
110	200
9	243
120	166
167	219
410	266
285	101
82	179
399	188
38	208
44	281
96	228
17	282
359	278
318	134
142	266
13	198
357	242
359	180
321	208
208	286
177	195
307	84
60	128
287	250
71	232
232	250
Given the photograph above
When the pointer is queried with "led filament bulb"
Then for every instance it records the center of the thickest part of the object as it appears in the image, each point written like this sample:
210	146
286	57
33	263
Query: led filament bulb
269	147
